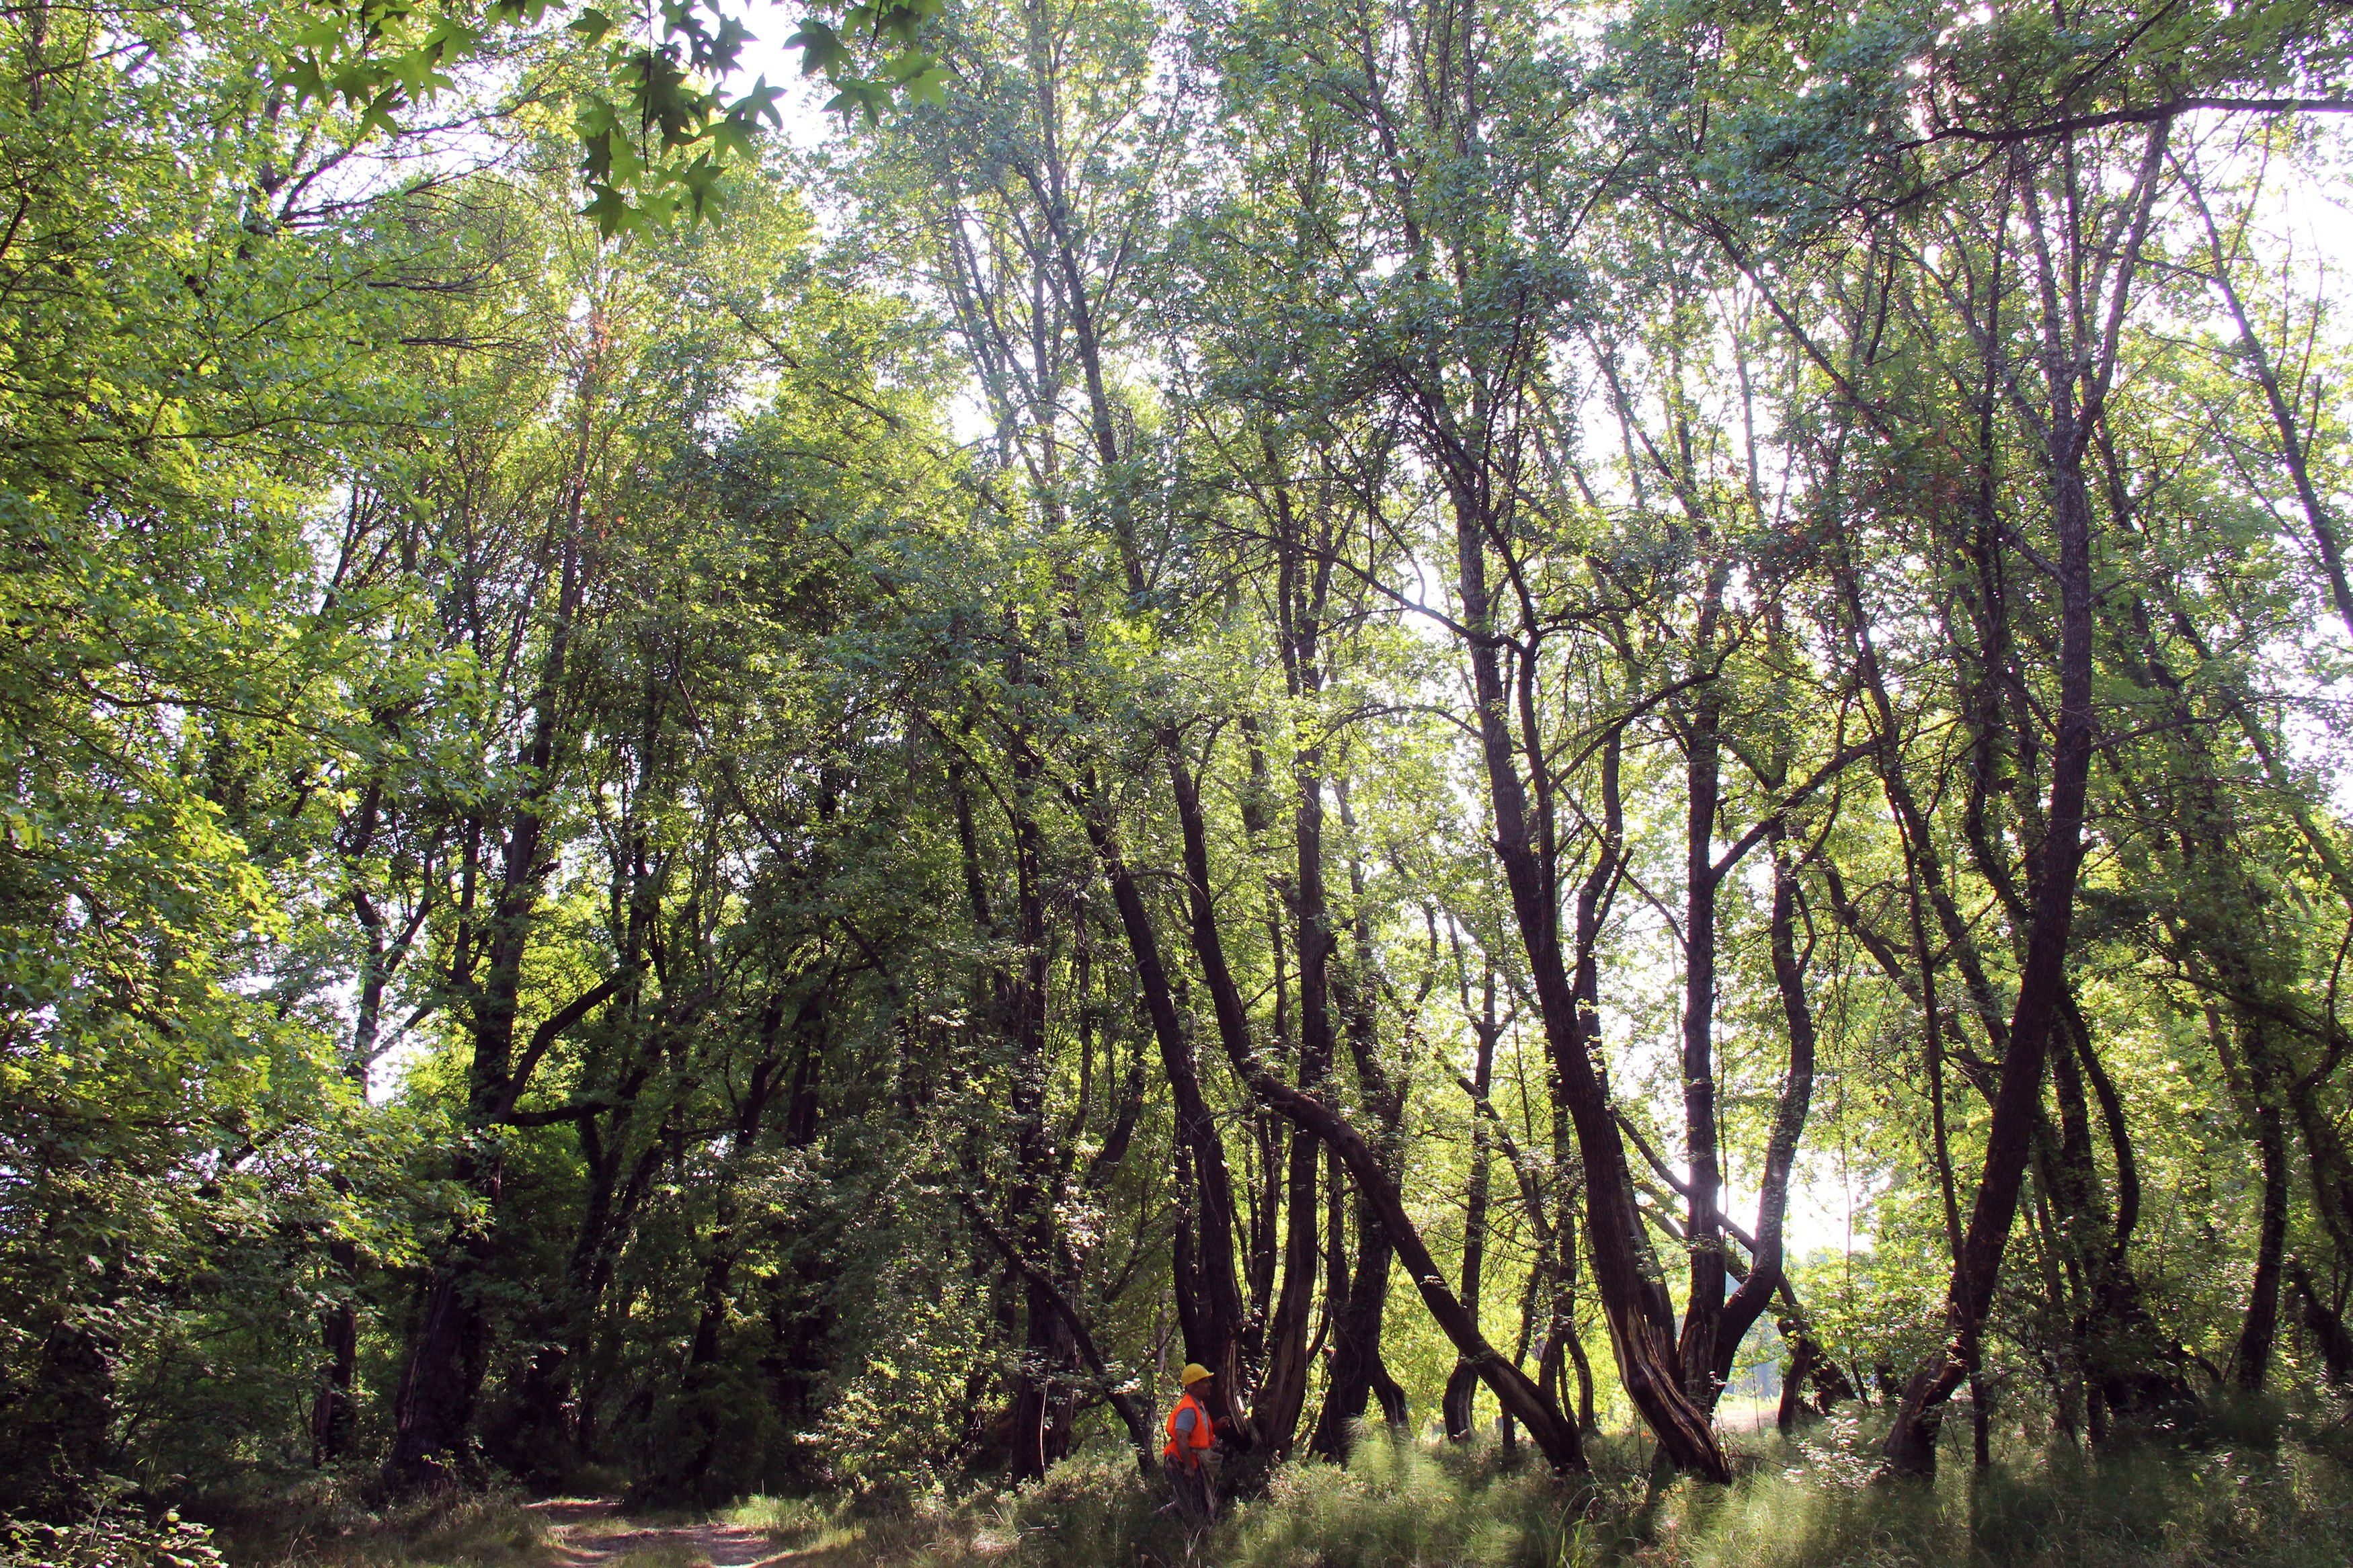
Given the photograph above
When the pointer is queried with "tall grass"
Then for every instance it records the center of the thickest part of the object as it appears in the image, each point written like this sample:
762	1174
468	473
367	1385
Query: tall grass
1805	1504
473	1530
2259	1495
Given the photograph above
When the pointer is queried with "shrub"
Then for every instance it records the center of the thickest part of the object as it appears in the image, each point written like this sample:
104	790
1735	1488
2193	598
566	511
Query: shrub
113	1537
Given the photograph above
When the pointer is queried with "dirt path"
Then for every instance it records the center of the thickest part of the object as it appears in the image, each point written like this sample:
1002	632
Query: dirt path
592	1534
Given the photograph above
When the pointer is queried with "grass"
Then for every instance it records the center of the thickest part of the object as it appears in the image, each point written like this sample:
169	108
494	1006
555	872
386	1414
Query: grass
1805	1504
487	1529
2262	1494
846	1532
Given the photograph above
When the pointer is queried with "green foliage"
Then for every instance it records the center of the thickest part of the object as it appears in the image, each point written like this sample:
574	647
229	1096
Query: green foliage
616	854
112	1537
660	125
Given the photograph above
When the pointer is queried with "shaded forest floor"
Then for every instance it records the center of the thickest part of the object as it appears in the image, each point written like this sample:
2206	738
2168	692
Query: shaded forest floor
2286	1498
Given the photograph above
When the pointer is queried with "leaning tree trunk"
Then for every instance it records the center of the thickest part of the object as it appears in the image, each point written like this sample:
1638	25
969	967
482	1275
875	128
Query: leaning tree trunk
1910	1448
1634	1297
1357	1374
1556	1437
1910	1444
1212	1318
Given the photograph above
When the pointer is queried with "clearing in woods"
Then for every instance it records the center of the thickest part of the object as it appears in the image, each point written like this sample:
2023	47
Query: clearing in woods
596	1534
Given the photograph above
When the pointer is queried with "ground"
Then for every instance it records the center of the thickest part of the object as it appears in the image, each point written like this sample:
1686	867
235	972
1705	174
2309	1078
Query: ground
594	1533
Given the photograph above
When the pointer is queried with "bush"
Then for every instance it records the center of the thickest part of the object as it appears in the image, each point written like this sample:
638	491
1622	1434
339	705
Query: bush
1096	1510
111	1538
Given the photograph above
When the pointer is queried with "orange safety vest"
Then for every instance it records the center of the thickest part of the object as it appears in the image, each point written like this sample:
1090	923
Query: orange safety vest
1203	1433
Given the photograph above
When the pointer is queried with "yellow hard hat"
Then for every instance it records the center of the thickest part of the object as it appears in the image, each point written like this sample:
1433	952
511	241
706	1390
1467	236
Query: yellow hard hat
1193	1373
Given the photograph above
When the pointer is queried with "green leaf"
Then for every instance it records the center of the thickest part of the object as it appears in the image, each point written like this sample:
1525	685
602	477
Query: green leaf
928	86
611	209
823	53
760	103
733	138
379	114
700	180
304	77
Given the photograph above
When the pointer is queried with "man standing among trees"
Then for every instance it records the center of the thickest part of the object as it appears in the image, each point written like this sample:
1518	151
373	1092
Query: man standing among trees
1187	1458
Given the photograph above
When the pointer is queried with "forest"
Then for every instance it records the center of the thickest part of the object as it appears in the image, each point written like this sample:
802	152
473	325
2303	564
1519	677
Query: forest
1604	745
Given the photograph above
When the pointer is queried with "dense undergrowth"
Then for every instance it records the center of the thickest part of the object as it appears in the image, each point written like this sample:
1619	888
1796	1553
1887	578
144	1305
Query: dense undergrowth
2259	1492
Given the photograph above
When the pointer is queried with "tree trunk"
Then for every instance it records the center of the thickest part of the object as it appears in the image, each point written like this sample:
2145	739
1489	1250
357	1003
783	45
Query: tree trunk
2140	1377
1038	1427
1634	1297
61	1446
1356	1339
334	1413
1704	1227
1462	1382
1910	1444
1765	1270
433	1410
1357	1372
1302	584
1215	1338
1283	1392
1556	1437
689	1471
2336	1344
2250	1360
